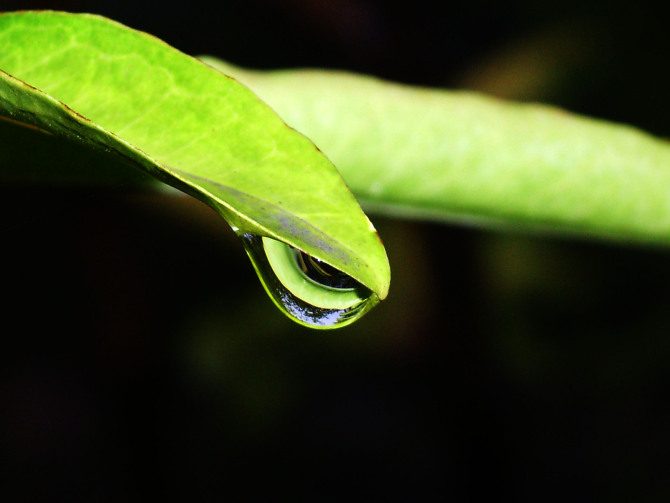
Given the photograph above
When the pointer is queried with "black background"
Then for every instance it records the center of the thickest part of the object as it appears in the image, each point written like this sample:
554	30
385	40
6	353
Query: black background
141	358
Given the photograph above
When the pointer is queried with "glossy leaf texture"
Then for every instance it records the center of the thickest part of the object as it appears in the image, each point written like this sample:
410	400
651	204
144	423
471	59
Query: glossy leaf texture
461	156
126	93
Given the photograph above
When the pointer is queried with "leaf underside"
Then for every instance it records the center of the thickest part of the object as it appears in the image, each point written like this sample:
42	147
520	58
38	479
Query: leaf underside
125	93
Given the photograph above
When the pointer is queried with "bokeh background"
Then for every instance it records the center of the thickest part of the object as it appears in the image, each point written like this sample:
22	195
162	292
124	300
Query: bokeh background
141	358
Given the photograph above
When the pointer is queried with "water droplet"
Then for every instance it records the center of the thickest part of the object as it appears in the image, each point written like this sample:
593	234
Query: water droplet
306	289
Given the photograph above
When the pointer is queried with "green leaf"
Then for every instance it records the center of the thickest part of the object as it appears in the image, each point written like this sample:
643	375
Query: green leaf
123	92
461	156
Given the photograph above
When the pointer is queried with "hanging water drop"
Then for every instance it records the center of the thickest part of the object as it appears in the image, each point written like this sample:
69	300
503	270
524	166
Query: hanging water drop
305	288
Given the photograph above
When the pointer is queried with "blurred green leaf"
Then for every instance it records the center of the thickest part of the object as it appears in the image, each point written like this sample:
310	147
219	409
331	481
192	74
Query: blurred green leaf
461	156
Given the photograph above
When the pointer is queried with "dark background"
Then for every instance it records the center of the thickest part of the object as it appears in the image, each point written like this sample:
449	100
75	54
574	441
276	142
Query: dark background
141	358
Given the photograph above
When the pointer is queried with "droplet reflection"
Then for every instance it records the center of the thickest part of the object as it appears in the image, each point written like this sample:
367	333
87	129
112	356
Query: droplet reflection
322	273
306	289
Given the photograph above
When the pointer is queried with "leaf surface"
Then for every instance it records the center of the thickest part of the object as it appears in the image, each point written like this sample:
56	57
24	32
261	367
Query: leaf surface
126	93
462	156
